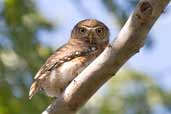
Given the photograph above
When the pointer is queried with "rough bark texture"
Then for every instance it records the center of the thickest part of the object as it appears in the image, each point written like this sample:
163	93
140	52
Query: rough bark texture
128	42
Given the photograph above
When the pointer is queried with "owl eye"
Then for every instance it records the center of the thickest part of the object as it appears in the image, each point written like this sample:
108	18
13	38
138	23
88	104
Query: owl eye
99	30
82	30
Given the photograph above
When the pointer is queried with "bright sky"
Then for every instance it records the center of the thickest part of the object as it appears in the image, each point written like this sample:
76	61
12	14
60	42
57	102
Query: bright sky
65	15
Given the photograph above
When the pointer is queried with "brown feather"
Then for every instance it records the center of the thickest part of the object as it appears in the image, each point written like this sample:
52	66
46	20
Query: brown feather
34	89
77	43
60	53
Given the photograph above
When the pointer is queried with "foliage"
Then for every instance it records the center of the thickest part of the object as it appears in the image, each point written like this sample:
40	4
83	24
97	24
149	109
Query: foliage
129	93
21	55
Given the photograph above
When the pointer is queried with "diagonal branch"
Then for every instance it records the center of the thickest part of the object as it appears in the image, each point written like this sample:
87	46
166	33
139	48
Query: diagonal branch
128	42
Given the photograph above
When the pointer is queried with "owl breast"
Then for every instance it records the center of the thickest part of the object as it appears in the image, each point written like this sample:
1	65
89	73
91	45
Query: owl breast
59	78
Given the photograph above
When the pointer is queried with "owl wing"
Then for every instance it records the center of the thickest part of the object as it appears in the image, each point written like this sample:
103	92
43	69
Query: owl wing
50	62
54	61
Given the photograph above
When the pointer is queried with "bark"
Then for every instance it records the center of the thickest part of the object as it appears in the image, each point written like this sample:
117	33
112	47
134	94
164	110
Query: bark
128	42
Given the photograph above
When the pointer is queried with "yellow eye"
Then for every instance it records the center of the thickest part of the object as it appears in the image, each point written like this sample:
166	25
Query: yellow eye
99	30
82	30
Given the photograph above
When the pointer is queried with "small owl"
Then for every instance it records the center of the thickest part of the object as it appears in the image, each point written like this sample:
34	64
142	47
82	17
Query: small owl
88	39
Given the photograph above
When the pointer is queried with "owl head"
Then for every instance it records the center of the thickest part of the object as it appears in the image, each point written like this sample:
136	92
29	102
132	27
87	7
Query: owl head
91	31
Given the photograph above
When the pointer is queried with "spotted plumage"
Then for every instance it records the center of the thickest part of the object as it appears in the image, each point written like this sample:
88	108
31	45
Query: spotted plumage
88	39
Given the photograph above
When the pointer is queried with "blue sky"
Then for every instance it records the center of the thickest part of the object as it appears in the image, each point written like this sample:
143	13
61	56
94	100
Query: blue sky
64	15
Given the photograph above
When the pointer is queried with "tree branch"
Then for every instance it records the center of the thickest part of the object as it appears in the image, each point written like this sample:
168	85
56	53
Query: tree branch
128	42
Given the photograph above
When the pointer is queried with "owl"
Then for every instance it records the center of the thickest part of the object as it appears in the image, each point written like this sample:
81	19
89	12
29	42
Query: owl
88	39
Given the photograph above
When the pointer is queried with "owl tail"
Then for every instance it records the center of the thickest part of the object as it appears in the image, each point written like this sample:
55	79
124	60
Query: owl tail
35	87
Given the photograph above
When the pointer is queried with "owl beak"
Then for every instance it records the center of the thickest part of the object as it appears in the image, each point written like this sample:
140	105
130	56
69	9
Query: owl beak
90	37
